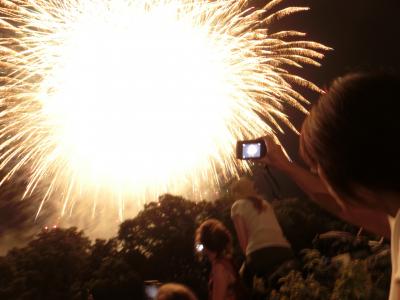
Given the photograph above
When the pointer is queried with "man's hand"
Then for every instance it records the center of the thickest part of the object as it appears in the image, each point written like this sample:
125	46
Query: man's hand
276	156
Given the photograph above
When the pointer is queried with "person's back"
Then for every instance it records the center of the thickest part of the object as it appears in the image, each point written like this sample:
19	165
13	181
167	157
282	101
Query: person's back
259	233
227	268
216	242
263	227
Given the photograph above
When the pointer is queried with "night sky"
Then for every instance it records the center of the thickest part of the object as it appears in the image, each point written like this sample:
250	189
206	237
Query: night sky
364	35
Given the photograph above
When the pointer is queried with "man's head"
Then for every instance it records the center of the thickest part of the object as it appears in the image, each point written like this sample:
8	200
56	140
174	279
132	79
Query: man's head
175	291
351	136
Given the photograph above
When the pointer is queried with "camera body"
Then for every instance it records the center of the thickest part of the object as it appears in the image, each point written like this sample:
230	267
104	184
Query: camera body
251	149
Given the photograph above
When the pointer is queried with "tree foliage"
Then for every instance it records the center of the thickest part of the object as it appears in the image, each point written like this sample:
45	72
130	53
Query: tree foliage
354	283
163	233
295	287
158	245
49	267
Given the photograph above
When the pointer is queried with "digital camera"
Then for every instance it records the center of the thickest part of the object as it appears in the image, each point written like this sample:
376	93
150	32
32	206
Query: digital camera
251	149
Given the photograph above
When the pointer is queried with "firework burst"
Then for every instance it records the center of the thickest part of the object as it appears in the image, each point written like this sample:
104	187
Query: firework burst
127	99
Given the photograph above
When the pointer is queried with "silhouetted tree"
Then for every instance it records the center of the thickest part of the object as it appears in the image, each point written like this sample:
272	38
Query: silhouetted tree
354	282
49	267
116	280
163	233
158	244
6	278
100	251
301	220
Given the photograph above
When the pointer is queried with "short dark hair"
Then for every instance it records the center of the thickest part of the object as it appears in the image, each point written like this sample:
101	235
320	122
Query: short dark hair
214	236
175	291
352	131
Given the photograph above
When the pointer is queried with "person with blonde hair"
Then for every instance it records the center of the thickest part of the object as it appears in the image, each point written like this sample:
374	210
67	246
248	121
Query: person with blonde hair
260	235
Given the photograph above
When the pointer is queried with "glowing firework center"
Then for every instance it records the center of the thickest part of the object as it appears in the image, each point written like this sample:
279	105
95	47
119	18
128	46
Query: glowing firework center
141	97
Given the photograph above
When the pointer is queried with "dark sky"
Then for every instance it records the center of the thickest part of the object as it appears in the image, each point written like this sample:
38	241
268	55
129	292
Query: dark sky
364	34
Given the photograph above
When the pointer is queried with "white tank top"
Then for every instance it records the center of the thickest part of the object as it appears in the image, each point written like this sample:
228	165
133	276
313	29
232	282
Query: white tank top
263	228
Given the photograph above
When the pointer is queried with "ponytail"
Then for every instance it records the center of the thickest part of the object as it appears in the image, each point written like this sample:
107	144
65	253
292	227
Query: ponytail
258	203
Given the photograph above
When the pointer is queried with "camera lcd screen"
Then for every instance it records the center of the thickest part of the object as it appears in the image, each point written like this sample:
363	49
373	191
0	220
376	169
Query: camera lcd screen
251	150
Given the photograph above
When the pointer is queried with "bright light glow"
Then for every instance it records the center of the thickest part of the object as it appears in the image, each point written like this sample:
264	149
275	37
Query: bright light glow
252	150
128	99
199	247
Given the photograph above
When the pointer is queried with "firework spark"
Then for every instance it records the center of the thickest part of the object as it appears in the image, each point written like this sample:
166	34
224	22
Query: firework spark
127	99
